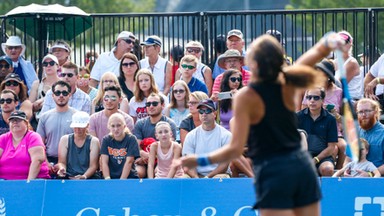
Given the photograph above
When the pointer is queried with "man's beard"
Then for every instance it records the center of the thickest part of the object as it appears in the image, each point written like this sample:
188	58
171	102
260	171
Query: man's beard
368	123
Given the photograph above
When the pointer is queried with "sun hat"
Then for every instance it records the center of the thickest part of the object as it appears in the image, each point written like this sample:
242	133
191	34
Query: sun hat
196	44
231	53
13	41
328	68
151	40
80	120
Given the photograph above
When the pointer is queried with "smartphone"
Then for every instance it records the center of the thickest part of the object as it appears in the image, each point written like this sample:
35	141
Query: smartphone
225	95
330	107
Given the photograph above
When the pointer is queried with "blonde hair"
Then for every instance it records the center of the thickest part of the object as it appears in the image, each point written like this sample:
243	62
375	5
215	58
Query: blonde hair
139	94
173	102
161	123
100	92
189	59
199	95
119	117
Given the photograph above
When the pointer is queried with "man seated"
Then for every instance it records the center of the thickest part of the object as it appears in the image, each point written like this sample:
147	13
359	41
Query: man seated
8	102
6	67
206	138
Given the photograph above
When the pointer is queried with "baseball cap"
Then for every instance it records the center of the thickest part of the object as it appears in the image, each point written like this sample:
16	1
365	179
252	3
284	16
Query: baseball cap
196	44
151	40
207	103
235	32
14	77
6	59
276	34
54	58
80	120
18	114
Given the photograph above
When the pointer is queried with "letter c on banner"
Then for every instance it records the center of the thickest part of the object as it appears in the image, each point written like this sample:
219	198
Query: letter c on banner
238	212
213	213
97	211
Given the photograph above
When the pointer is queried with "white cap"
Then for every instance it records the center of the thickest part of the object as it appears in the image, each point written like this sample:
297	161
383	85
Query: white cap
54	58
80	119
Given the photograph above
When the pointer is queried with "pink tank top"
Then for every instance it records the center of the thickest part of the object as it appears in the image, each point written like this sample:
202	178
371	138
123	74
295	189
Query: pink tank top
164	162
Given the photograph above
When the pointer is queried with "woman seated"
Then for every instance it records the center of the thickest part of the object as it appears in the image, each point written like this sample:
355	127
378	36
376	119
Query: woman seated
22	152
78	152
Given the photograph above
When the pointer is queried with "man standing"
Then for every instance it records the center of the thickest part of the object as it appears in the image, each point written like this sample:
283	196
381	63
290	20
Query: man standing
6	67
368	114
321	128
56	122
110	61
145	128
98	126
14	49
8	102
79	100
206	138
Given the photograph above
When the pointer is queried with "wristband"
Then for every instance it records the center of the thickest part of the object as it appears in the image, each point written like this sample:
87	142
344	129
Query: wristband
317	160
107	178
203	161
85	177
378	80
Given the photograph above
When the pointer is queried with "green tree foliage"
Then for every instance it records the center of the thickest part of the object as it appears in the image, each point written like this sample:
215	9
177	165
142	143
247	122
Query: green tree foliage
316	4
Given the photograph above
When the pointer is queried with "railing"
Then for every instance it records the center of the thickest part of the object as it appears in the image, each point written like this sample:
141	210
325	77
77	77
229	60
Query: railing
300	29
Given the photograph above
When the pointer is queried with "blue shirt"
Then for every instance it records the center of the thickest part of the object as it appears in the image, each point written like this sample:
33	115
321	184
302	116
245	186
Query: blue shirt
375	138
196	85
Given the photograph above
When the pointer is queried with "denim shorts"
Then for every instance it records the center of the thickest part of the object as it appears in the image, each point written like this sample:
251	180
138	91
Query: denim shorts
286	181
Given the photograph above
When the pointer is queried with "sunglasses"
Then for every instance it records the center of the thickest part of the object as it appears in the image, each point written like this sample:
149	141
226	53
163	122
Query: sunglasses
4	66
51	63
185	66
178	91
85	76
110	98
315	97
193	50
6	100
128	41
58	93
154	103
13	47
69	75
234	79
130	64
9	83
206	111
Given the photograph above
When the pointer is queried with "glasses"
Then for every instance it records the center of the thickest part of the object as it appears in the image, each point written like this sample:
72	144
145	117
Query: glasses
154	103
69	75
130	64
232	61
193	50
315	97
85	76
7	66
108	81
128	41
364	112
13	47
58	93
51	63
206	111
178	91
110	98
234	79
9	83
193	103
6	100
185	66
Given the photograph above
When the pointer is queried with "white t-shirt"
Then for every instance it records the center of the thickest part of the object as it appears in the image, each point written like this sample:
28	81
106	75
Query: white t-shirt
106	62
158	71
139	110
377	70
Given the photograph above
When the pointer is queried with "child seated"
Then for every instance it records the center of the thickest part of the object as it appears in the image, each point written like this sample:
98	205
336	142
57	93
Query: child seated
356	169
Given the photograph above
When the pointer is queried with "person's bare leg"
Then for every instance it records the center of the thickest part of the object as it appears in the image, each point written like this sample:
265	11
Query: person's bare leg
312	210
276	212
341	145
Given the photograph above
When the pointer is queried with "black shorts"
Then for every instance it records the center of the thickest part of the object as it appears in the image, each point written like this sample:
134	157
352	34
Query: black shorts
286	181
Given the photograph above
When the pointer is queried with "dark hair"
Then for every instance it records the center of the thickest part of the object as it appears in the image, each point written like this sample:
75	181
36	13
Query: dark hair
157	95
137	50
133	58
226	104
115	88
85	68
71	65
61	83
6	91
220	44
177	52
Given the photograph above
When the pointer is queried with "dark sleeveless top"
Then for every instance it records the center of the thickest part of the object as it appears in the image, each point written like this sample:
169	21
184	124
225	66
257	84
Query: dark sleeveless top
78	158
277	132
128	93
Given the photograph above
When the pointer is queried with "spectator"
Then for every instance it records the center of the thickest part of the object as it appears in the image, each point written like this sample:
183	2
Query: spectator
107	79
13	82
8	102
192	120
188	69
276	34
373	82
22	154
177	109
62	51
353	169
368	114
111	99
119	149
14	49
321	128
206	138
78	152
40	88
177	52
83	83
235	40
220	47
144	86
6	67
203	72
145	128
110	61
164	152
231	59
128	69
79	100
160	67
90	59
55	123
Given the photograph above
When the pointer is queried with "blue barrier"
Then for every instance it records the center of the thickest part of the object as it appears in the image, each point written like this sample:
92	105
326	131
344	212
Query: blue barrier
205	197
